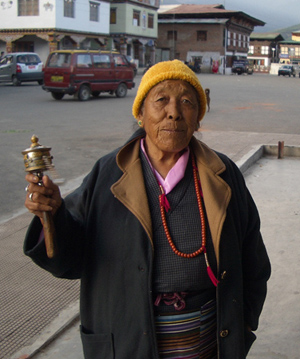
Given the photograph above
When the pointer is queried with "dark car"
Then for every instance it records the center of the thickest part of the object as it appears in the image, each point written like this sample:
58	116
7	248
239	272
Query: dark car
84	73
287	70
241	67
21	67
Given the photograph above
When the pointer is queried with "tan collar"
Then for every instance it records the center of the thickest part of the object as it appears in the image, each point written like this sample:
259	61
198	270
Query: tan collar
130	188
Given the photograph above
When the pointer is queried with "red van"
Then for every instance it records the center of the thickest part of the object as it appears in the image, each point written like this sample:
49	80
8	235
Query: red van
84	73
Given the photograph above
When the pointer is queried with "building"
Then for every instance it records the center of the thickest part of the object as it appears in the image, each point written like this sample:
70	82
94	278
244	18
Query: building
264	50
207	33
133	28
289	50
45	25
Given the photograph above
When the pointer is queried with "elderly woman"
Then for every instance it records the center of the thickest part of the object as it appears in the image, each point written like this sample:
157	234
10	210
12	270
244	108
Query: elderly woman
163	234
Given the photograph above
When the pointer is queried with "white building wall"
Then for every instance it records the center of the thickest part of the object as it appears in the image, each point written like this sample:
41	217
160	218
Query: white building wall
9	18
53	17
81	21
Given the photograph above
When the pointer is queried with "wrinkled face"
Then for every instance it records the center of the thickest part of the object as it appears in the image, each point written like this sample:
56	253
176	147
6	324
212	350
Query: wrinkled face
169	116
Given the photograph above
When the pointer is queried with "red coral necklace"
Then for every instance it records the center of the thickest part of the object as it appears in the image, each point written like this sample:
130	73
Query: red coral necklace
164	206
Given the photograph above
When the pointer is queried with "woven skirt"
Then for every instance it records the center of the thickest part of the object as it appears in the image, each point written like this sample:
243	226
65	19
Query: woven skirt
188	335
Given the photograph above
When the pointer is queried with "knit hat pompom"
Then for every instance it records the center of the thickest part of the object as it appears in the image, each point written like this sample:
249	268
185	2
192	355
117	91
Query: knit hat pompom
168	70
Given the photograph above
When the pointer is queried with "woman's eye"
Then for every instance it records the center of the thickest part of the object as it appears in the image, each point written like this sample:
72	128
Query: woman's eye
160	99
186	100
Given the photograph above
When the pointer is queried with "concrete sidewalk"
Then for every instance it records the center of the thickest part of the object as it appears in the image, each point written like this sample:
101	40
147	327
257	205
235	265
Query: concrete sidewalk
40	312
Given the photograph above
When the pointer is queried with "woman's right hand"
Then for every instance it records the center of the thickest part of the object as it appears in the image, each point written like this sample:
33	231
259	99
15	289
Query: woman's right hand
45	198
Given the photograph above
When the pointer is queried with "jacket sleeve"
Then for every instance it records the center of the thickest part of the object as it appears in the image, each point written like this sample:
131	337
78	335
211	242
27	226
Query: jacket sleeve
256	267
70	233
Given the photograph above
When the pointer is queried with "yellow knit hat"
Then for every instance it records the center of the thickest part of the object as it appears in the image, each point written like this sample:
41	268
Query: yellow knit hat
168	70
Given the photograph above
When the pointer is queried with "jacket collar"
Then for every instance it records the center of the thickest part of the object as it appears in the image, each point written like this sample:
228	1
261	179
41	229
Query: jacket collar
130	188
216	192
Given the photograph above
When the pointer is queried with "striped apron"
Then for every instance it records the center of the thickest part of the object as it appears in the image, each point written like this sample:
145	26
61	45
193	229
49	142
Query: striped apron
188	335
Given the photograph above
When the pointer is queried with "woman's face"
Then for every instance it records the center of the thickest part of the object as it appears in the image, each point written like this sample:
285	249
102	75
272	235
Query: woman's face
169	116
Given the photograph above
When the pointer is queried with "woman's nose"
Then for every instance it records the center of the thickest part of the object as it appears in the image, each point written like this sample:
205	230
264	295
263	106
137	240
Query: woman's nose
174	111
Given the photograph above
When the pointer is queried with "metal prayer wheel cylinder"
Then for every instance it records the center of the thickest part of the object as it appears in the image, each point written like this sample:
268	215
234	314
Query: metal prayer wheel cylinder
37	158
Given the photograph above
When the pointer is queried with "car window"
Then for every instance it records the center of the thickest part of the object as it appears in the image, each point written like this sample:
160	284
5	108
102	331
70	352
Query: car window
59	60
84	60
119	60
9	60
101	61
29	59
3	61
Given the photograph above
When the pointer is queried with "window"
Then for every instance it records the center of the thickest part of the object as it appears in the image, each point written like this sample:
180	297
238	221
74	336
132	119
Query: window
265	50
251	49
84	60
69	8
102	61
28	59
297	51
150	21
28	7
113	15
23	46
94	11
136	18
284	50
201	35
59	60
172	35
119	60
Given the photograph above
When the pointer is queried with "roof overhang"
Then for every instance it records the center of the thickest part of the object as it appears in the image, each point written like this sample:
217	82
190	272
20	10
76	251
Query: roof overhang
193	21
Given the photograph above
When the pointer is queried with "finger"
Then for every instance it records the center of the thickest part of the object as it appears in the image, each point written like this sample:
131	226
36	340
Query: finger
31	178
35	204
47	182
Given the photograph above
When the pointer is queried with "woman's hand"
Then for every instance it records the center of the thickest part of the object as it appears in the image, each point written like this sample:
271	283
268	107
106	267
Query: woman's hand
44	198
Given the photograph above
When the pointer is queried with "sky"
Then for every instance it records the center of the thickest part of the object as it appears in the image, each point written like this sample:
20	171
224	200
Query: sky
277	14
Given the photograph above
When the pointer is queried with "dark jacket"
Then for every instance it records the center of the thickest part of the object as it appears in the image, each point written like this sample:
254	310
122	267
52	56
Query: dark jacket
104	237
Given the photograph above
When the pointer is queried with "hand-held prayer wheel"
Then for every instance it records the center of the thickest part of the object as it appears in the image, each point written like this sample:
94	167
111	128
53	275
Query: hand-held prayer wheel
37	159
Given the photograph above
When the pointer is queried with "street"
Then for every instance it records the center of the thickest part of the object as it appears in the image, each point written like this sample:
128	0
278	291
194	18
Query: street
81	132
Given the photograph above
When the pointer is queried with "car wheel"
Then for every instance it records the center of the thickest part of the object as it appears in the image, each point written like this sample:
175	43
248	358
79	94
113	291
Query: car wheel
57	95
84	93
40	82
121	90
15	81
289	75
95	93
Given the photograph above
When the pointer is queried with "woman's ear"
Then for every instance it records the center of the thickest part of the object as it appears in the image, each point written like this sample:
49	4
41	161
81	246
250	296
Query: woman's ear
140	119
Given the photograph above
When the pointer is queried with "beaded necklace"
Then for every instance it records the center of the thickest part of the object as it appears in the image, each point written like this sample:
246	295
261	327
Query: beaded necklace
165	206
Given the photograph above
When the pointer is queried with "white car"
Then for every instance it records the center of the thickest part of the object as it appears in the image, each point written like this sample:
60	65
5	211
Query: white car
21	67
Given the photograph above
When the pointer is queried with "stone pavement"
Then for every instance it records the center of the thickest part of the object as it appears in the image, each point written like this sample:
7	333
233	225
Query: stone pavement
40	313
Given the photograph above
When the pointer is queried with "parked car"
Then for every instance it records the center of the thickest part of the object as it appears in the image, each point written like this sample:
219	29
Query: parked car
288	70
21	67
132	64
241	67
84	73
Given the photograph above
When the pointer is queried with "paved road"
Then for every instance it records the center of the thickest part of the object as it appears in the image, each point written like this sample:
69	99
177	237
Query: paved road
79	133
